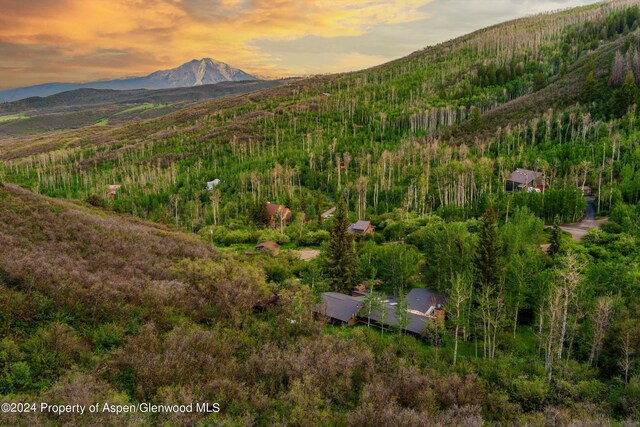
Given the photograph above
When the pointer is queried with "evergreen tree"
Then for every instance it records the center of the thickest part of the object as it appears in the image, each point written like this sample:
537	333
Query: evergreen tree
556	238
341	255
589	89
475	118
260	214
539	81
487	259
626	96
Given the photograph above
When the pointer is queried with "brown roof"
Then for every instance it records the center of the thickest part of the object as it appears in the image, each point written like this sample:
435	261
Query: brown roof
274	210
524	176
360	226
328	213
269	245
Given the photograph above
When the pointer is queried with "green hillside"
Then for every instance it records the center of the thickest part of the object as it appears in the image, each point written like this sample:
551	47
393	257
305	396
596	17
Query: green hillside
152	290
396	130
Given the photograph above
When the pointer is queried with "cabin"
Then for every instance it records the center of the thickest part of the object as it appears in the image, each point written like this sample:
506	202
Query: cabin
270	248
586	190
278	214
362	228
328	214
338	308
112	191
526	180
211	185
423	306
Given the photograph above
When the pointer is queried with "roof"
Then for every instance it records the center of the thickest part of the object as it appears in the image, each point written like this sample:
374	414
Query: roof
524	176
339	306
328	213
274	209
416	323
269	245
360	226
421	299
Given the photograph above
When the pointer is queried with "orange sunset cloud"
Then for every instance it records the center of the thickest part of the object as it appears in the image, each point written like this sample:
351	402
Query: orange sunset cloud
81	40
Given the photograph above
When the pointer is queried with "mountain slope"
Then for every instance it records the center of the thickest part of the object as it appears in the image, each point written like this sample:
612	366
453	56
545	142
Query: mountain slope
395	125
194	73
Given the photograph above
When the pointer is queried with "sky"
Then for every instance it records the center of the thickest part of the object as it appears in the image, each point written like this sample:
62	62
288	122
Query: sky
84	40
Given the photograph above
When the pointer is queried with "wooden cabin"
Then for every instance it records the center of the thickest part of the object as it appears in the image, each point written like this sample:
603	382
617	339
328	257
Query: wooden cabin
362	228
278	214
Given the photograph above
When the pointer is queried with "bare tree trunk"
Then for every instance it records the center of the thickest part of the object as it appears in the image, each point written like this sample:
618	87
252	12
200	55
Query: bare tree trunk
604	307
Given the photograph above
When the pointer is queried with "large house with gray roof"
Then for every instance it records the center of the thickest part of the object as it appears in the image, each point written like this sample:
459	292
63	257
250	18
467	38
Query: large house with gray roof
525	180
422	305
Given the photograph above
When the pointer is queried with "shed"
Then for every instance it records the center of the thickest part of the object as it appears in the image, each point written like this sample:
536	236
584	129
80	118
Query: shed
270	247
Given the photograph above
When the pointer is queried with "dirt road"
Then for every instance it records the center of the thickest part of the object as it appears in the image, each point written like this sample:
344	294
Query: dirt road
589	222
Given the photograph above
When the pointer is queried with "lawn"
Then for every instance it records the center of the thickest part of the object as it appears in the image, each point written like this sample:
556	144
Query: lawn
141	107
12	117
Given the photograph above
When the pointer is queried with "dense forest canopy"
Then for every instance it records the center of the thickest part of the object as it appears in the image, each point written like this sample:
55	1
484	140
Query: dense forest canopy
144	285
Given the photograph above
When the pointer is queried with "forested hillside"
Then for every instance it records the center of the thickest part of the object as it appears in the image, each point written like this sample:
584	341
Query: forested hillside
147	285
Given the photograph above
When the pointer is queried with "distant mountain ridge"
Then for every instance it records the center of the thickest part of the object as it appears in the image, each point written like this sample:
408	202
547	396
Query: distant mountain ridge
193	73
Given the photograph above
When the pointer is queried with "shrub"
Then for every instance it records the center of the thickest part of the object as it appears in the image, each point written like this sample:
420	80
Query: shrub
276	236
530	394
97	201
314	238
612	227
107	336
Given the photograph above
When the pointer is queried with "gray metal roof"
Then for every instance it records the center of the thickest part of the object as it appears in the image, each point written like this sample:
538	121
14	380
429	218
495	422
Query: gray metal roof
524	176
343	307
421	299
416	324
338	306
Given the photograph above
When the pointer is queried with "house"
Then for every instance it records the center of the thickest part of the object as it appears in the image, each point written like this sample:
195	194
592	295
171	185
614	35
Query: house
278	214
388	317
270	248
363	228
586	190
112	191
338	308
423	306
213	184
524	179
328	214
